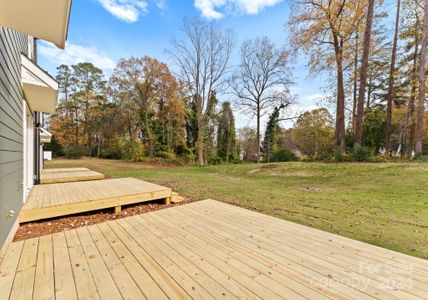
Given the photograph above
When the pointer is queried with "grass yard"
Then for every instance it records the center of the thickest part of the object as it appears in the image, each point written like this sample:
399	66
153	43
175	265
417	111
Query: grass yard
384	204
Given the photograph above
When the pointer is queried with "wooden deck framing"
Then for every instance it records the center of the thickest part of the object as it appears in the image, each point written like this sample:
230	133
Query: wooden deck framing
61	199
50	176
206	250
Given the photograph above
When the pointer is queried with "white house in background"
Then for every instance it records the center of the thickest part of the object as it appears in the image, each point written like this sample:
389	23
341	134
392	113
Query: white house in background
26	92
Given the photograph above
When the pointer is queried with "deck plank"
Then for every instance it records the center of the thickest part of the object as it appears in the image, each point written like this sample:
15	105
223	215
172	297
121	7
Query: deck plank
24	279
104	281
44	270
165	282
124	281
8	267
326	268
341	256
85	284
65	287
186	281
161	249
202	250
140	275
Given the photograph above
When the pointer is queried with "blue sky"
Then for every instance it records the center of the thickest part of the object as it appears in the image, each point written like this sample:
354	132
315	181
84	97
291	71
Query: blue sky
103	31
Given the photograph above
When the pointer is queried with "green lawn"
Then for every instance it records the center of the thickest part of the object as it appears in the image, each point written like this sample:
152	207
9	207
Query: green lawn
381	204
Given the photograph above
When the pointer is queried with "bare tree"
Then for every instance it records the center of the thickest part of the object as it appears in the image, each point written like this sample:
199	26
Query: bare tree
422	84
363	74
202	58
391	95
262	79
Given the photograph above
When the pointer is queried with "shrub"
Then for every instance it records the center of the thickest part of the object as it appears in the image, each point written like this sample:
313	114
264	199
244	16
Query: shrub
283	155
74	151
110	153
361	154
216	160
169	156
131	149
188	156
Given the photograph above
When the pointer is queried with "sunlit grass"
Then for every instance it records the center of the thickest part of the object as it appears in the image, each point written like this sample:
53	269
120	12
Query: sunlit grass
382	204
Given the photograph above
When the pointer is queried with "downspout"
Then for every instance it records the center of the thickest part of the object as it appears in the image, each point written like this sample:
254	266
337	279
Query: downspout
37	125
37	148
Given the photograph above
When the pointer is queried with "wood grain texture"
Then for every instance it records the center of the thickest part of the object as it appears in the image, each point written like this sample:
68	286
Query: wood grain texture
206	250
61	199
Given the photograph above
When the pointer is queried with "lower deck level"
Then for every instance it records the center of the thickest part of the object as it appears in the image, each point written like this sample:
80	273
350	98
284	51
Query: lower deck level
48	177
62	199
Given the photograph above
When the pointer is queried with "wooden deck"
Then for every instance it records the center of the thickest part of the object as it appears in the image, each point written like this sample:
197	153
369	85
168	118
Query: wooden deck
62	170
61	199
206	250
69	175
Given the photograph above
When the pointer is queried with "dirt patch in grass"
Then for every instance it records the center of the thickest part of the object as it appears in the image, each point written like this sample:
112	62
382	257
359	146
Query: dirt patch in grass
270	166
44	227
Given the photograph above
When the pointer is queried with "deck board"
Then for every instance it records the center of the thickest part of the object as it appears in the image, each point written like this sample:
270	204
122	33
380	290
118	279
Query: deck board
205	250
63	175
62	199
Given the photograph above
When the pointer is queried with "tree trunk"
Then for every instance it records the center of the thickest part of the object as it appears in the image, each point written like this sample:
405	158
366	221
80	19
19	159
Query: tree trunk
258	132
340	111
354	102
363	75
391	94
411	123
200	143
410	118
422	71
340	103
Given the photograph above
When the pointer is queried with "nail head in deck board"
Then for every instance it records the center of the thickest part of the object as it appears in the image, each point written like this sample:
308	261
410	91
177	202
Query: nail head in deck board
225	245
49	201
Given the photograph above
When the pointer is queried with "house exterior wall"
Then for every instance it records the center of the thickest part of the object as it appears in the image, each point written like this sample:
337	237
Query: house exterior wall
13	111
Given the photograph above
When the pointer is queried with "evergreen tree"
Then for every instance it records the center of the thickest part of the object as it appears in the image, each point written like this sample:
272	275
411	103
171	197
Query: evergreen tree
272	133
227	146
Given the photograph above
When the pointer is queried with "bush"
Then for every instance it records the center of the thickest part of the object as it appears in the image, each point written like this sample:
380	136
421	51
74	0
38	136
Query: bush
216	160
74	151
283	155
169	156
361	154
110	153
131	149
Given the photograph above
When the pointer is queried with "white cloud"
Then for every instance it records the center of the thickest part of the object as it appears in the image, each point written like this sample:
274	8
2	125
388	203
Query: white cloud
126	10
210	9
161	4
74	54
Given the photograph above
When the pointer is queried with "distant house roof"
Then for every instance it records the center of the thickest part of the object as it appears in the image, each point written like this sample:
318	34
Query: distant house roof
44	19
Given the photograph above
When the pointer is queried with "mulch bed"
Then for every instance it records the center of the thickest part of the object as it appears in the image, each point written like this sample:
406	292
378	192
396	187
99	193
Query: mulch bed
44	227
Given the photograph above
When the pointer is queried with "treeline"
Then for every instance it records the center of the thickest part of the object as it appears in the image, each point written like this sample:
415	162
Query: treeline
144	111
376	90
141	112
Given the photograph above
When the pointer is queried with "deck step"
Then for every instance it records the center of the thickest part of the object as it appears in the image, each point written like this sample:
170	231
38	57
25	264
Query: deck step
176	198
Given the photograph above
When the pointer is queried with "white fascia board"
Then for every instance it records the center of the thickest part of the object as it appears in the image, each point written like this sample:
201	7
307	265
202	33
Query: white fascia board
44	19
40	89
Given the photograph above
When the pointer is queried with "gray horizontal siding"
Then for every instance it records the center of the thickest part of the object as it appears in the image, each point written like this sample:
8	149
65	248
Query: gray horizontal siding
12	44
